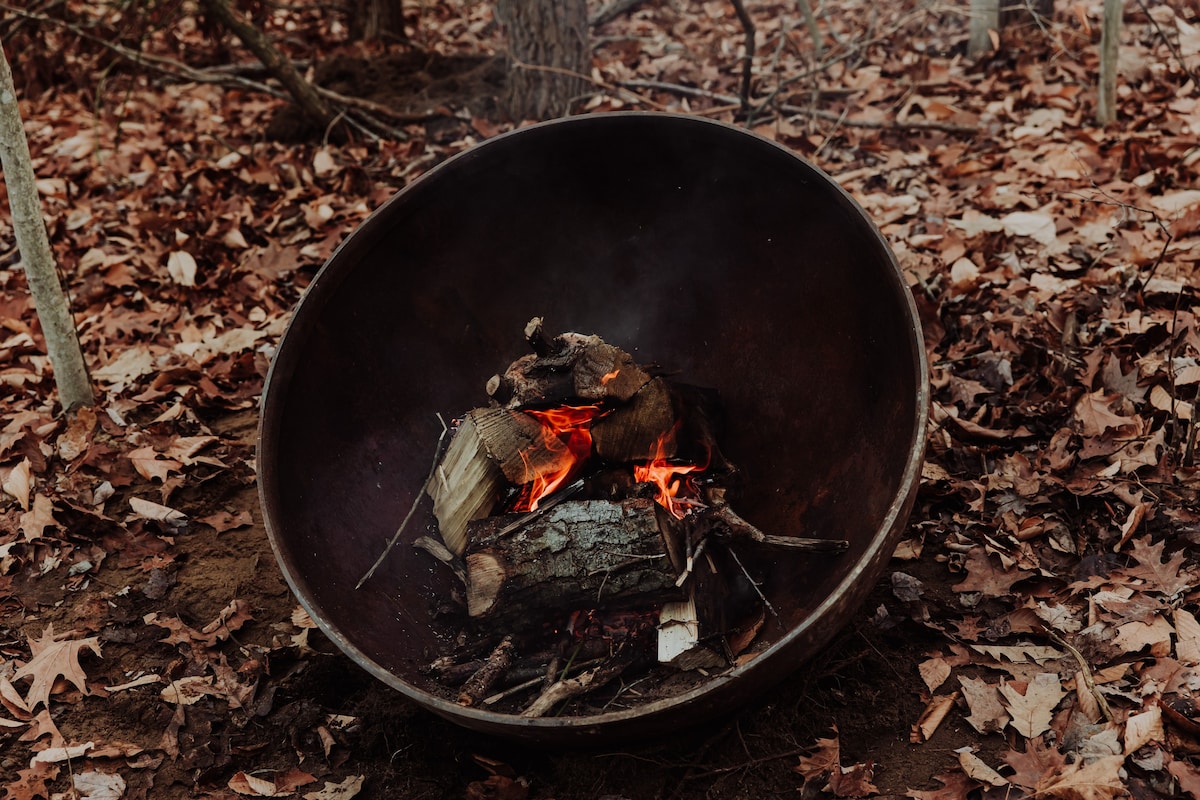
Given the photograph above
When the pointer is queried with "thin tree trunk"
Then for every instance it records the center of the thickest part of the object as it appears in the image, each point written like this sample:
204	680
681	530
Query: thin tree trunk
985	18
277	63
41	270
376	20
1110	33
551	54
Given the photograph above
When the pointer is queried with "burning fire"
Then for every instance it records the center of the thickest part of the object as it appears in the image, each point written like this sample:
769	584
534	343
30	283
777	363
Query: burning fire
566	433
676	493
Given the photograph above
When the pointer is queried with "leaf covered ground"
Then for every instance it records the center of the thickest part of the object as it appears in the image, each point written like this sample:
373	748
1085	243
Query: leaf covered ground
1036	634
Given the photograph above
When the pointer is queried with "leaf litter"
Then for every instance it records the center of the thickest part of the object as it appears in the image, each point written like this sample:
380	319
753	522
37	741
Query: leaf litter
1048	573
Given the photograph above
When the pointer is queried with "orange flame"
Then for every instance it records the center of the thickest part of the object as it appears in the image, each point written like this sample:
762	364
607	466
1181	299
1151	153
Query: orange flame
567	435
675	493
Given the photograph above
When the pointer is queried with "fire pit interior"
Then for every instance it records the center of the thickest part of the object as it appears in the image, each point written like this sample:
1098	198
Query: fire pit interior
705	254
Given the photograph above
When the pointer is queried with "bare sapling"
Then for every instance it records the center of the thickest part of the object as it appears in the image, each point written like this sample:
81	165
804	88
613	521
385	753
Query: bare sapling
41	270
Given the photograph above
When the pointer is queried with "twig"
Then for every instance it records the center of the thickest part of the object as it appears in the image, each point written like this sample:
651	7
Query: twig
494	667
566	689
753	583
413	510
751	46
532	682
1086	671
1170	46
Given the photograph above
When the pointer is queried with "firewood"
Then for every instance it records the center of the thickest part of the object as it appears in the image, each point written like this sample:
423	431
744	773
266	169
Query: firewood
581	554
632	431
465	486
479	684
605	372
515	442
566	689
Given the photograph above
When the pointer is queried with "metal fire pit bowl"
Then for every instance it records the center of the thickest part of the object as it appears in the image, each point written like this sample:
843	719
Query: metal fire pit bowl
706	249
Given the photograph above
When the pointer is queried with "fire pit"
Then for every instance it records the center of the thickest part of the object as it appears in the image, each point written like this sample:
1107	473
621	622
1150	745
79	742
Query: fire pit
706	251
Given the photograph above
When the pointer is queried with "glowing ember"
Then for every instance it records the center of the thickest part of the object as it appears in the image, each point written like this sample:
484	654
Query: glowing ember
608	376
567	433
675	493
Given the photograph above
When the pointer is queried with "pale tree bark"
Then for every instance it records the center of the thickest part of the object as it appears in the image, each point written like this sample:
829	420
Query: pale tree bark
376	20
41	270
550	52
1110	33
984	20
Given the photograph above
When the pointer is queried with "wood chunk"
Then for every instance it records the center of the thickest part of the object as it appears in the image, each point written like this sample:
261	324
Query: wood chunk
492	669
465	486
583	554
632	431
604	372
514	441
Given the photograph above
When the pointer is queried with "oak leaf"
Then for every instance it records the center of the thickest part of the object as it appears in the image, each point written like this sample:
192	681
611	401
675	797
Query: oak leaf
955	786
54	657
338	791
151	465
1187	776
1098	780
1096	417
1032	711
1161	576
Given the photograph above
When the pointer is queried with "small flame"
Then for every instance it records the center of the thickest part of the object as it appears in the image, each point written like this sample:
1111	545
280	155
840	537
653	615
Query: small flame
567	433
676	493
608	376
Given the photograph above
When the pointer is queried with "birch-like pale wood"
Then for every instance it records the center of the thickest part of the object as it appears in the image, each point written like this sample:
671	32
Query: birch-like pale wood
985	18
41	271
1110	33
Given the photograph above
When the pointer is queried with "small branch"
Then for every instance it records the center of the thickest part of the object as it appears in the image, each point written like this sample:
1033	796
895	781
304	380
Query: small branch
437	453
1086	671
566	689
485	677
751	46
753	583
733	527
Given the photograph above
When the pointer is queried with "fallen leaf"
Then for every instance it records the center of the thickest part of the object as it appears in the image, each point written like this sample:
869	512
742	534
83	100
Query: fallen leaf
1154	637
222	521
983	699
56	755
935	711
189	690
35	521
1187	637
1143	728
977	769
98	785
181	266
1032	711
338	791
75	439
1187	775
158	512
1098	780
151	465
934	672
19	483
1036	225
54	657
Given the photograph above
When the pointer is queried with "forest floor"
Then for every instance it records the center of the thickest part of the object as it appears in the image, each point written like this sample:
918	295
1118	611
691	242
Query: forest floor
1035	634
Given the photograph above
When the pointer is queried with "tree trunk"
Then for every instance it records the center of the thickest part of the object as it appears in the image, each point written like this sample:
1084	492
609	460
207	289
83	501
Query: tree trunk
277	63
1110	33
62	342
985	18
376	20
550	52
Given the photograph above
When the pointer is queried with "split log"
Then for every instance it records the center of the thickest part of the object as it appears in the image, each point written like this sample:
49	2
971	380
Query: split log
464	487
632	431
578	555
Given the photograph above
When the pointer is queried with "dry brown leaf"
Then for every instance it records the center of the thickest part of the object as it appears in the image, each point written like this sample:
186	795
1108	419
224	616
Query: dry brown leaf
1187	637
156	511
1099	780
1187	776
934	672
1032	711
19	483
935	711
54	657
151	465
75	439
345	790
1143	728
1154	637
983	699
98	785
977	769
35	521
